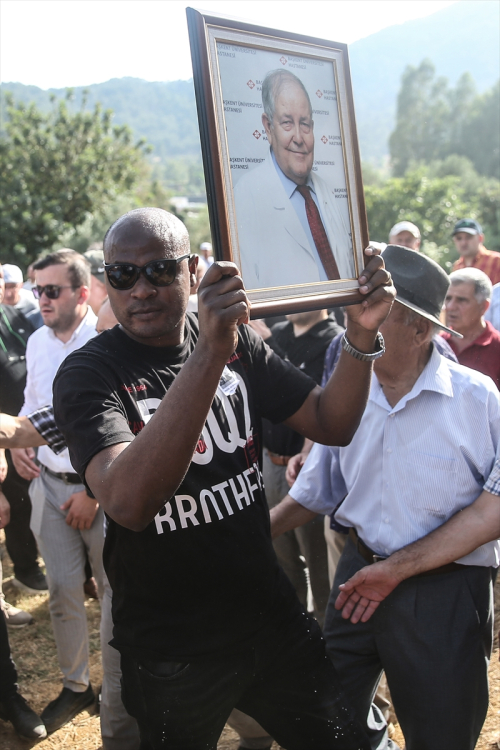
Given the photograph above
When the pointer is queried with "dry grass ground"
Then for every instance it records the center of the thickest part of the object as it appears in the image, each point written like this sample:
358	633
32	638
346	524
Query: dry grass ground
34	651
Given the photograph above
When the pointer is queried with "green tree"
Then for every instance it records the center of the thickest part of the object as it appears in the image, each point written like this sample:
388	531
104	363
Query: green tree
58	168
434	197
435	120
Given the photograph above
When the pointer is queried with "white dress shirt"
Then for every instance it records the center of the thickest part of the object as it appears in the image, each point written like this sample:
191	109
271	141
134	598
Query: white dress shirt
44	354
409	468
493	312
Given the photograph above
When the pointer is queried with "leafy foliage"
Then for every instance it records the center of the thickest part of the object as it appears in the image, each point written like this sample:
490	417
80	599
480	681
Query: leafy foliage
58	168
434	197
435	120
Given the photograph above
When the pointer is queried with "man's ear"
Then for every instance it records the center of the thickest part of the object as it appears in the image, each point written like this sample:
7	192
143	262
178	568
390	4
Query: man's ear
484	306
84	295
423	330
193	265
267	125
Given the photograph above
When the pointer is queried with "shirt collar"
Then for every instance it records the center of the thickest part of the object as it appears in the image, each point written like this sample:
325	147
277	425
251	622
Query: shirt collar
289	185
435	377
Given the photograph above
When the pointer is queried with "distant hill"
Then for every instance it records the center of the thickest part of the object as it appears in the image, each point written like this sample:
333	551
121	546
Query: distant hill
463	37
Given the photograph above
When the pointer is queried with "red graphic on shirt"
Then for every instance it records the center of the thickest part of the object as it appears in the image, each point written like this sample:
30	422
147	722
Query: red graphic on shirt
324	139
234	357
256	134
250	84
319	94
251	451
201	446
283	60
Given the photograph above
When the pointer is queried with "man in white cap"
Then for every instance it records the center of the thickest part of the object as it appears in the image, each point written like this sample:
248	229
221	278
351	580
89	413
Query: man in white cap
22	299
206	253
406	234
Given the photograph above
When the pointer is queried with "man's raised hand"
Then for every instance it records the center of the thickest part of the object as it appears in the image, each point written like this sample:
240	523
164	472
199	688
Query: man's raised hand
376	285
222	306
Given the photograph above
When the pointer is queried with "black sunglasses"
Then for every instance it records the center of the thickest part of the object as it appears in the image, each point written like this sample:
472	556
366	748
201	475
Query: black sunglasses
52	291
157	272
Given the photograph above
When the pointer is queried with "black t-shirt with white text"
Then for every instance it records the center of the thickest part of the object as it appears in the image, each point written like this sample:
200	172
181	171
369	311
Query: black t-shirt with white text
203	576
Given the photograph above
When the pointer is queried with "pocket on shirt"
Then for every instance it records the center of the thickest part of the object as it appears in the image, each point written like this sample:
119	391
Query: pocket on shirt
431	484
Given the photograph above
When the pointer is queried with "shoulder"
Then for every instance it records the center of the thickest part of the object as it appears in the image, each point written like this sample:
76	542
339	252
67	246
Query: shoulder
466	381
257	177
490	254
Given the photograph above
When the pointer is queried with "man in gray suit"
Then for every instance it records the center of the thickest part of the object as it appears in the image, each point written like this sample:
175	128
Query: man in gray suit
290	230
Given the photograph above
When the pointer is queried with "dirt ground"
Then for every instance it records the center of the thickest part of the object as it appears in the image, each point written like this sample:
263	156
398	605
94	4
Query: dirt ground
33	649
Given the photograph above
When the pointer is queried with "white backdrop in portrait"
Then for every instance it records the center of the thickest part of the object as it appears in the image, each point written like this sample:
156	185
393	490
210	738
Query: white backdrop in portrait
242	71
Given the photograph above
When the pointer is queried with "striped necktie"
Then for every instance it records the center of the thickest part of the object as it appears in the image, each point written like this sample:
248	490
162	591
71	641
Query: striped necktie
319	234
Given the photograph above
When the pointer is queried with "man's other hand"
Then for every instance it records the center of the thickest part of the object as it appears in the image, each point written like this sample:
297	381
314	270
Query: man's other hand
4	511
360	596
260	327
81	509
23	460
4	467
294	466
376	285
222	306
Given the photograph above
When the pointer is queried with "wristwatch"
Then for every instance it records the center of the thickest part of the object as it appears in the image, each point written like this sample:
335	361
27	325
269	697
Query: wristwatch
379	349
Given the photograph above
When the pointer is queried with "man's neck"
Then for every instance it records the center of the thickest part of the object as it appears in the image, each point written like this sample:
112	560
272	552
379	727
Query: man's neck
300	329
398	375
470	259
65	336
469	336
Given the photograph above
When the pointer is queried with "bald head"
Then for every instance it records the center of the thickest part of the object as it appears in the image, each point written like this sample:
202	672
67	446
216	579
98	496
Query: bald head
151	223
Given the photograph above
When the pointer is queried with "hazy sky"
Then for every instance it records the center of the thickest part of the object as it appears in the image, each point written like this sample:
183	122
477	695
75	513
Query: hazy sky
57	43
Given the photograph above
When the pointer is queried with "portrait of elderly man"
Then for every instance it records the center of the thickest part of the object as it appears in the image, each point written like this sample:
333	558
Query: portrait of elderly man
290	230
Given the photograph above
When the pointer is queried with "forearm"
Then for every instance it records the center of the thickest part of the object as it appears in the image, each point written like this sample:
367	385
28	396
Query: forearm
470	528
289	514
153	465
18	432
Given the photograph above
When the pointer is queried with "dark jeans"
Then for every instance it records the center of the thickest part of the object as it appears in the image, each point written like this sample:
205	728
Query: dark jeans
433	638
8	674
285	681
19	539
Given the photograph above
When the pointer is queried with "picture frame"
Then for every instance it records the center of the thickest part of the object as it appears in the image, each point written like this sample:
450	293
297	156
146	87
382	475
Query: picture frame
276	112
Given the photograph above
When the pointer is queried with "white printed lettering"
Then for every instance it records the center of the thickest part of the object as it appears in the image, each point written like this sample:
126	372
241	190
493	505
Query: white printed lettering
185	514
165	516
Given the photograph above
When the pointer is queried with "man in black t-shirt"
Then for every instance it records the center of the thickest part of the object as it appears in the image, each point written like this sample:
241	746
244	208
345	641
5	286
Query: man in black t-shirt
15	329
162	419
303	340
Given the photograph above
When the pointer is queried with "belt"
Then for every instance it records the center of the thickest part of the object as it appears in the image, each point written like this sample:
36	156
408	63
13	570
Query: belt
278	460
64	476
371	557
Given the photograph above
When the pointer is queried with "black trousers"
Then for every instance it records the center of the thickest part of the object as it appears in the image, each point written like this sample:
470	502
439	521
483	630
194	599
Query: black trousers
433	638
19	539
285	681
8	674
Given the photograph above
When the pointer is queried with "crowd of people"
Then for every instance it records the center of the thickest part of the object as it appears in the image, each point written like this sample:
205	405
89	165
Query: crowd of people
291	526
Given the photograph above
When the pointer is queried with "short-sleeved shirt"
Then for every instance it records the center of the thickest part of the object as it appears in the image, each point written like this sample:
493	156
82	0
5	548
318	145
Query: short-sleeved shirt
487	261
203	576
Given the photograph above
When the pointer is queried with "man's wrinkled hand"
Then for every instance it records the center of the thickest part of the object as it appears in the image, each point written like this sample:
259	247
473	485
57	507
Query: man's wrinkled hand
293	468
376	285
4	466
4	511
222	307
81	509
23	460
361	595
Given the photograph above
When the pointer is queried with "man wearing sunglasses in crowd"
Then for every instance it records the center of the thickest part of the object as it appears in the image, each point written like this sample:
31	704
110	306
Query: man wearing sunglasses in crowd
66	522
162	418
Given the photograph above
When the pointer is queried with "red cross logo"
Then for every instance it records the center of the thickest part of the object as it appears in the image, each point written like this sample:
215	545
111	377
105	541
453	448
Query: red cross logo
324	139
283	60
319	94
256	134
250	84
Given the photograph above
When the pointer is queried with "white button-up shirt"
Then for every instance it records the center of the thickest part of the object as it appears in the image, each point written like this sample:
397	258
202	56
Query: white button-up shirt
409	468
44	354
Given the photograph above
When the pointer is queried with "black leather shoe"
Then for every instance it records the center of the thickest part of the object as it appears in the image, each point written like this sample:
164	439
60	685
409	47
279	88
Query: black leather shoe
24	720
65	707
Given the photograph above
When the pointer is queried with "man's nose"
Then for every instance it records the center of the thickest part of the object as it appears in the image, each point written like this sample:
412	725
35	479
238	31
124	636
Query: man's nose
297	134
143	289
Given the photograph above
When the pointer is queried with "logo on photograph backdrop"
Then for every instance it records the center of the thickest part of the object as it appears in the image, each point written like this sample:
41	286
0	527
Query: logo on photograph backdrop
256	134
250	84
319	94
324	139
283	60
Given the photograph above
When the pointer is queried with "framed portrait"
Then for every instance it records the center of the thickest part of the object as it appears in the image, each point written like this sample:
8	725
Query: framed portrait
281	160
